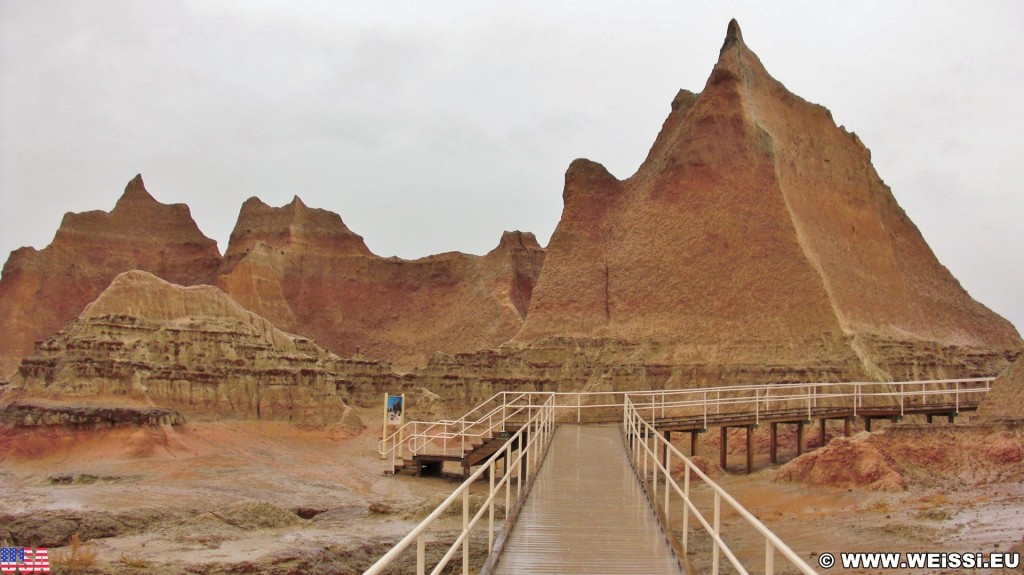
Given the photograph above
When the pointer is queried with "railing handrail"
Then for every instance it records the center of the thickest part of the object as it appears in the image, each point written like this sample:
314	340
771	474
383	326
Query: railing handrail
537	431
539	423
501	408
633	423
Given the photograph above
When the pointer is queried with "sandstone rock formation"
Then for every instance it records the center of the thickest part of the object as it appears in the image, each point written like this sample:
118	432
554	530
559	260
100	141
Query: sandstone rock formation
145	341
755	243
1006	398
756	233
42	290
27	415
303	269
908	454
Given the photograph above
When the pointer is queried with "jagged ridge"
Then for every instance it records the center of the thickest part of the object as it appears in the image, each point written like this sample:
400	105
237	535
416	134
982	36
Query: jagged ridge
308	273
42	290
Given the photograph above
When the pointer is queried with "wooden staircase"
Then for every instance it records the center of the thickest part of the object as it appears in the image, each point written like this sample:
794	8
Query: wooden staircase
476	453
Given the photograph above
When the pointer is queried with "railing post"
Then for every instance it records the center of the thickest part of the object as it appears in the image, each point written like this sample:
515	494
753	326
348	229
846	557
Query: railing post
686	506
465	530
490	516
705	410
421	554
654	470
643	454
519	474
757	407
579	399
717	533
635	426
508	481
769	557
531	452
668	477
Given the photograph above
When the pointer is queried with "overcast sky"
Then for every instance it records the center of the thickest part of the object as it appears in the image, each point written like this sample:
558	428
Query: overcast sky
433	126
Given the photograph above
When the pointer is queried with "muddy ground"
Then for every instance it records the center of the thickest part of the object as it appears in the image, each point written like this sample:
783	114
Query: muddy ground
247	497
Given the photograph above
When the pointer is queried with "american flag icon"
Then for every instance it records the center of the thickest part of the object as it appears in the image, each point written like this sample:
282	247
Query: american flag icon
20	560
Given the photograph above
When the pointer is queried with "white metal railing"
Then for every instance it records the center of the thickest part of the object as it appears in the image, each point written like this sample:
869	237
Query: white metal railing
509	409
532	440
535	415
644	443
498	413
857	397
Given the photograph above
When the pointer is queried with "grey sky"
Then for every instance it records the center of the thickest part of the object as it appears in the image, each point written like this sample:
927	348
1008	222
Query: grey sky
433	126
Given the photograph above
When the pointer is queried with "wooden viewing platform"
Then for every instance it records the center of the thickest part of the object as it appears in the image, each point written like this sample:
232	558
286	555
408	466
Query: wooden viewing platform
579	506
424	447
800	417
475	453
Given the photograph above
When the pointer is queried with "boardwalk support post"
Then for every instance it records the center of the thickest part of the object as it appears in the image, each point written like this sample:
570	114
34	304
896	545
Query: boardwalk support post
723	450
664	449
750	448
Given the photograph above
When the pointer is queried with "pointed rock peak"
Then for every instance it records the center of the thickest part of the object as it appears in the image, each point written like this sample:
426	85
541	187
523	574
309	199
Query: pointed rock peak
136	190
733	36
518	240
584	169
586	179
295	226
136	183
253	202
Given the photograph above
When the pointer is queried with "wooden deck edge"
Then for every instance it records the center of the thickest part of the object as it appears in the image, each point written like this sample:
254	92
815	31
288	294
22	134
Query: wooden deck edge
511	515
674	545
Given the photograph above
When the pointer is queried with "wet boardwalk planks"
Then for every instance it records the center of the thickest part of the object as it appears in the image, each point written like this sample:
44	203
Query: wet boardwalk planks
586	513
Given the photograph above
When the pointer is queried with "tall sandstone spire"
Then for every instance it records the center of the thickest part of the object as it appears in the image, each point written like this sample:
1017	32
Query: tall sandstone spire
757	231
41	290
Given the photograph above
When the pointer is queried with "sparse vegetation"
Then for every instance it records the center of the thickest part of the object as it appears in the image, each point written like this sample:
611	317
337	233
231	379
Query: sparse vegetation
76	558
133	561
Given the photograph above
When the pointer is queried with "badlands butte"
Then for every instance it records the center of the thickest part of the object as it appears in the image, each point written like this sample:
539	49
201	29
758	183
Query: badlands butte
756	243
156	395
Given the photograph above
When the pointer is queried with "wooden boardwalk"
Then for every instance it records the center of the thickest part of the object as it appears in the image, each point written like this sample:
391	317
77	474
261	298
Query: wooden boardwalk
586	513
